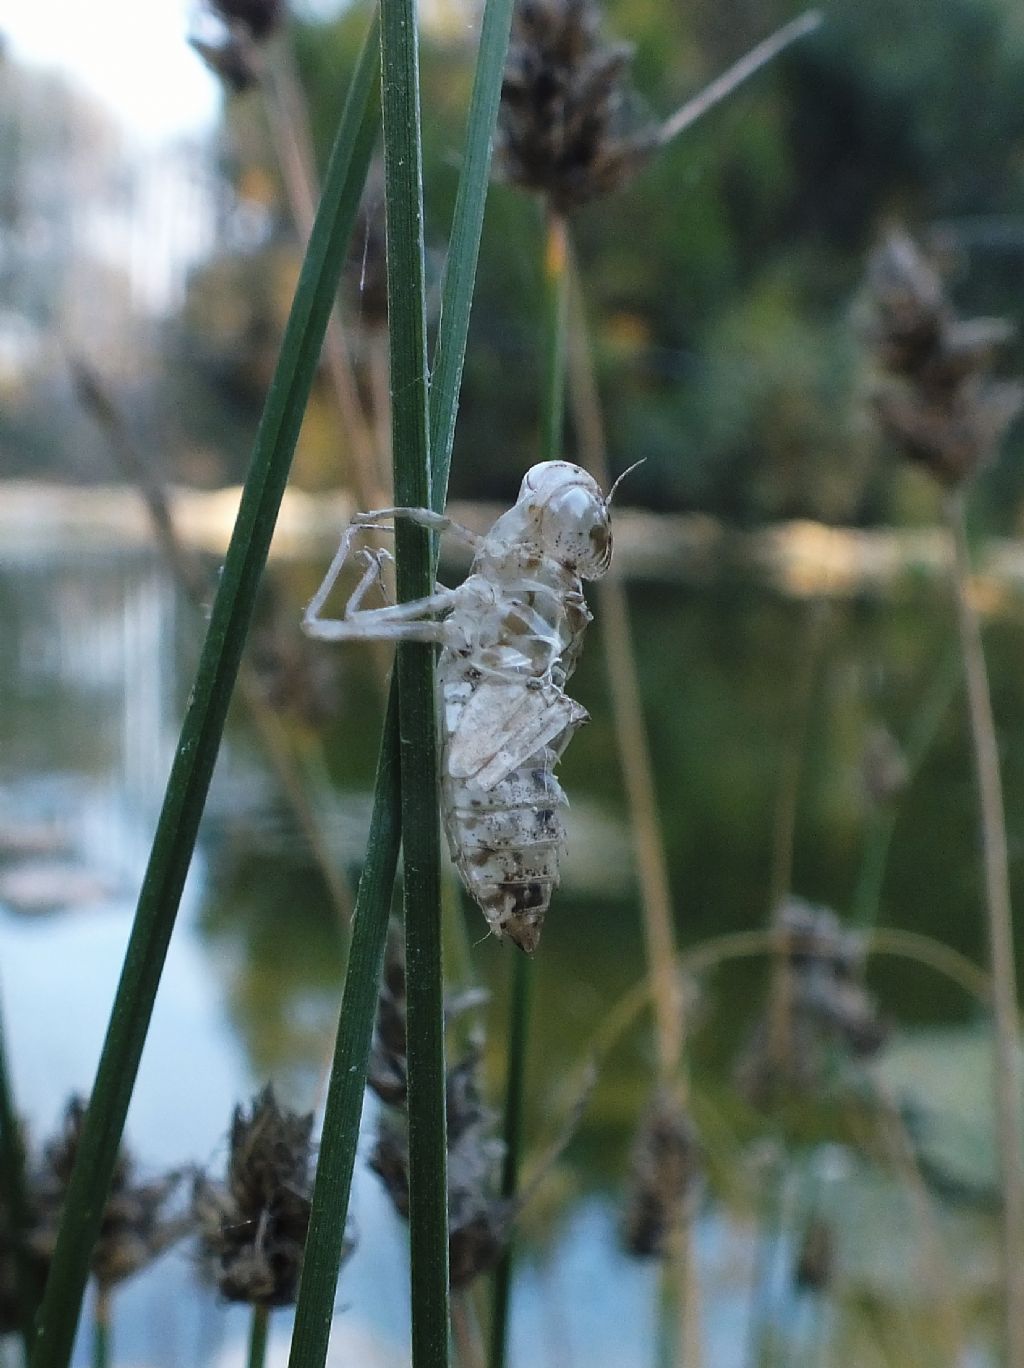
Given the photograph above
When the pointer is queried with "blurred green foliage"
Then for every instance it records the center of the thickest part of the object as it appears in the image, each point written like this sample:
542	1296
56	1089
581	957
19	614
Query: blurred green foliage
720	282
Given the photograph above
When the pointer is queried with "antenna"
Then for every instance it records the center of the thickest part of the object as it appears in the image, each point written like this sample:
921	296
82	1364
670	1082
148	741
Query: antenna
628	471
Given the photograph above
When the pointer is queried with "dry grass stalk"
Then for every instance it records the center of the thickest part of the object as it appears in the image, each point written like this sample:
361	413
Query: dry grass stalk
648	842
941	406
254	52
190	577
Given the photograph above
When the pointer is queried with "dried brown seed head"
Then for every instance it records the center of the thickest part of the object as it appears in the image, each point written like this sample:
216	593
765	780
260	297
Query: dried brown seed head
136	1226
257	18
936	400
815	1262
234	61
568	124
253	1226
664	1165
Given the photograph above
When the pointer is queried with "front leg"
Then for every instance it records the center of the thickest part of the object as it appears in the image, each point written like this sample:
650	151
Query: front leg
397	622
423	517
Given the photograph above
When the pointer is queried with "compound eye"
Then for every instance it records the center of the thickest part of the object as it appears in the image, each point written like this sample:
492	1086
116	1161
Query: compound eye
578	526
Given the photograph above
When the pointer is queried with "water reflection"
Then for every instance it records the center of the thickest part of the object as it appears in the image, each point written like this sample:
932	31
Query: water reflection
99	653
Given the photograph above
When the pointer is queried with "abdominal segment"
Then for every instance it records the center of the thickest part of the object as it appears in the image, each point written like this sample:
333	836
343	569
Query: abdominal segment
506	842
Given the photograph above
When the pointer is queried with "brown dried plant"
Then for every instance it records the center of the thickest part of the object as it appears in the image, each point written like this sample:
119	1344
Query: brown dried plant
137	1226
833	1019
252	1226
569	125
936	397
479	1220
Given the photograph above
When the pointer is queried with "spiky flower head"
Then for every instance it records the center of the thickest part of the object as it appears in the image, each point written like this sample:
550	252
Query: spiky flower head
258	18
664	1166
136	1226
568	125
831	1016
936	399
252	1227
234	61
479	1221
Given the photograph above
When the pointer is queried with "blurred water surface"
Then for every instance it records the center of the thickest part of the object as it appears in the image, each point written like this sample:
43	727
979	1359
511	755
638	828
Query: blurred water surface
99	650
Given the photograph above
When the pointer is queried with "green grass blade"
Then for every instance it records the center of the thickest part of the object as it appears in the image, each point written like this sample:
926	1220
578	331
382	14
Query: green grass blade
344	1107
464	245
520	1011
428	1154
204	719
12	1190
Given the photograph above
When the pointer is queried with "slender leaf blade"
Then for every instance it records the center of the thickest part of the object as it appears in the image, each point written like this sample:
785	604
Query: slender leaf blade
203	724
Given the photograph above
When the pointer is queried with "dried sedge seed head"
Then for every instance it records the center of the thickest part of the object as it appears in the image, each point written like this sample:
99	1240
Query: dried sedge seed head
827	963
135	1227
952	435
478	1220
815	1261
664	1166
883	766
936	399
256	18
831	1017
908	309
234	61
297	683
568	124
253	1226
22	1269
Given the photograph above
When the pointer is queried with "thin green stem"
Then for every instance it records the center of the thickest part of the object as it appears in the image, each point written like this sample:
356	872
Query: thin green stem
203	725
101	1331
556	331
555	351
946	680
315	1309
995	861
428	1152
464	247
259	1328
12	1168
512	1130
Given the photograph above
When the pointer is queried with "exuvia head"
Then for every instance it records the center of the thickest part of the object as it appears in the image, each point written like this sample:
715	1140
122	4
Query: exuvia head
568	514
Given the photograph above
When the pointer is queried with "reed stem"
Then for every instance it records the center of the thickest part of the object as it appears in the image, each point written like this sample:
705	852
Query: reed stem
733	77
555	334
203	725
554	350
315	1309
12	1175
189	576
681	1292
428	1154
101	1331
946	680
999	916
520	1008
288	119
259	1328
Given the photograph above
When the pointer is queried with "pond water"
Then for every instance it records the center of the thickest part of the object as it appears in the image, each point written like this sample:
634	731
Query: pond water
746	692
